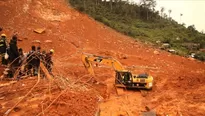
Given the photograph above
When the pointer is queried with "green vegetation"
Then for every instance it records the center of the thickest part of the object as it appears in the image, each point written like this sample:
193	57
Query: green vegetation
143	22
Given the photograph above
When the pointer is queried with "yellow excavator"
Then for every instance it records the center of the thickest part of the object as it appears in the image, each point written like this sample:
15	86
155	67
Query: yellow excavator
123	77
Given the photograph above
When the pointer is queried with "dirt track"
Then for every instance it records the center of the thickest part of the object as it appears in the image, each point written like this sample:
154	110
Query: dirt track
179	82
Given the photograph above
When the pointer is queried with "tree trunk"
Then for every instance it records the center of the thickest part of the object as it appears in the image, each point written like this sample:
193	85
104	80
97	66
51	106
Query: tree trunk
84	5
111	5
161	15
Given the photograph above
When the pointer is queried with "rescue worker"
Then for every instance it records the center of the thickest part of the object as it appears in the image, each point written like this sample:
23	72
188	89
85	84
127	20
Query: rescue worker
39	49
38	60
21	56
3	47
43	56
13	54
49	62
31	60
21	59
33	49
39	53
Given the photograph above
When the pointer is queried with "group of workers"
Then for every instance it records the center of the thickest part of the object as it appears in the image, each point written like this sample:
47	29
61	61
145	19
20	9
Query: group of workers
14	57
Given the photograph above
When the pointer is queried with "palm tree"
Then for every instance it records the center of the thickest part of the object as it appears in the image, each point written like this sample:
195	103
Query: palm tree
180	17
170	11
162	10
202	31
148	5
165	16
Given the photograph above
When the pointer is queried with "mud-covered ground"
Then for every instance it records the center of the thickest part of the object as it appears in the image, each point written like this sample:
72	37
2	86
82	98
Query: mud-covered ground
179	83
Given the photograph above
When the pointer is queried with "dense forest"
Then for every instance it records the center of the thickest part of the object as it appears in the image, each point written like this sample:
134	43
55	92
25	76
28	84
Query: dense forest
143	22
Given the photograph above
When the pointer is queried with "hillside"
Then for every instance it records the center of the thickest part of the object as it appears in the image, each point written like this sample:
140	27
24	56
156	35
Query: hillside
144	23
179	81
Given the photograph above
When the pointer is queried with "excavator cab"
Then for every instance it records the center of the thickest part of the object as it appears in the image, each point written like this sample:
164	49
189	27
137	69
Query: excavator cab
126	79
123	77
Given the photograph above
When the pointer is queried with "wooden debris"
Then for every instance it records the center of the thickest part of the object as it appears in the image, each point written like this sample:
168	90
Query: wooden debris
1	98
9	111
20	39
7	84
46	71
39	30
48	41
36	41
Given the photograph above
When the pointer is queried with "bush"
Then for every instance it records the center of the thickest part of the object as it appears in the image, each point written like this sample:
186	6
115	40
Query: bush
98	18
200	56
105	21
80	8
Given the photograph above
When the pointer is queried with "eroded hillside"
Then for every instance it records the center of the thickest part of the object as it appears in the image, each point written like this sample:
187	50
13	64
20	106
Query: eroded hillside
179	82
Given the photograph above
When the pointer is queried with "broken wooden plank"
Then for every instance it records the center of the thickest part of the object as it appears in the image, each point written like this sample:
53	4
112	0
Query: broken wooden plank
39	30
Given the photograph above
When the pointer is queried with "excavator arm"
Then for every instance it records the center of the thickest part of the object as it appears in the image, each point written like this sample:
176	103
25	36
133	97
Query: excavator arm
87	63
88	58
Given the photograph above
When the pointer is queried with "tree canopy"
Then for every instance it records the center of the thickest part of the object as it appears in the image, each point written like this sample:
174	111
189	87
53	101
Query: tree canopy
142	21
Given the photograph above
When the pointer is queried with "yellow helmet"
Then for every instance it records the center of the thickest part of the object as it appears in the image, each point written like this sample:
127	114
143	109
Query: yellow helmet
51	50
3	35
